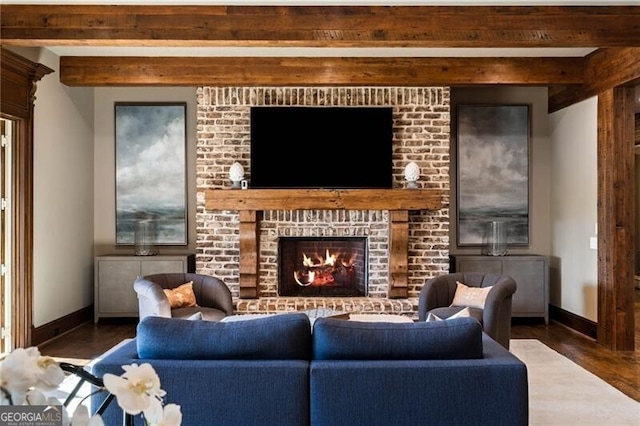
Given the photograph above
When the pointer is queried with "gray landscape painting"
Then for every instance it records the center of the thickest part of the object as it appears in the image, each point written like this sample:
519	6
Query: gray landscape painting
151	171
493	171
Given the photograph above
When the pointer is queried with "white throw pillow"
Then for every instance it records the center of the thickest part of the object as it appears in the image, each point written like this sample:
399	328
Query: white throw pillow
244	317
195	317
460	314
473	297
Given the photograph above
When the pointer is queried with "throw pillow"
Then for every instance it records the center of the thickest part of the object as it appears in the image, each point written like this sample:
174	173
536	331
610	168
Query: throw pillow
244	317
473	297
181	296
460	314
195	317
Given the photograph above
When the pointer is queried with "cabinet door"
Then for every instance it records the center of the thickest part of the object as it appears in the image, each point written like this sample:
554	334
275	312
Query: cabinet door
164	266
487	265
115	293
530	276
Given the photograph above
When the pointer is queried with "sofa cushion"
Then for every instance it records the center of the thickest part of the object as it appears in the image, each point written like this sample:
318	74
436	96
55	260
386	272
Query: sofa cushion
283	336
459	338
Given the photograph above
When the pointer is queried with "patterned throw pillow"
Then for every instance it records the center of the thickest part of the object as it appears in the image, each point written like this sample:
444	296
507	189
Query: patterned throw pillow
460	314
181	296
473	297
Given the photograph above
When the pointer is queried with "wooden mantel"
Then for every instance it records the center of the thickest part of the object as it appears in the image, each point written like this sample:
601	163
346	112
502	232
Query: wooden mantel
323	199
398	201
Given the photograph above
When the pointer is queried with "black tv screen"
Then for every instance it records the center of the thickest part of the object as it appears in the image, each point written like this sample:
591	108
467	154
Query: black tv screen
321	147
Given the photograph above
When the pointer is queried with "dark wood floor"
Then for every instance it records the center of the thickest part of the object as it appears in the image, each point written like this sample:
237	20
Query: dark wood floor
620	369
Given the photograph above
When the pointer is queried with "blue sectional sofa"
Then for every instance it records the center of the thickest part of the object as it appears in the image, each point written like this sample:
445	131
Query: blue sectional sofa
276	370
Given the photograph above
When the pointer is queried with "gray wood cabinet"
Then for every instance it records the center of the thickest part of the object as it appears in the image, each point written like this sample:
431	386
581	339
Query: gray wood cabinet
114	277
531	273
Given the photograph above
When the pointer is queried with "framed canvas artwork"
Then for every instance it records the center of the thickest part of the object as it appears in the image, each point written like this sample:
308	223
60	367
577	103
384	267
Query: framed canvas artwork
151	179
492	172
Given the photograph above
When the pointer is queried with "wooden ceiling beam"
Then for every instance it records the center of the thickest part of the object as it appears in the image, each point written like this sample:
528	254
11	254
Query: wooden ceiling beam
603	70
259	71
321	26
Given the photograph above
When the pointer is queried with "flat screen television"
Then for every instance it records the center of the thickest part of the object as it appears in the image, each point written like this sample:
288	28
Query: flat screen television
321	147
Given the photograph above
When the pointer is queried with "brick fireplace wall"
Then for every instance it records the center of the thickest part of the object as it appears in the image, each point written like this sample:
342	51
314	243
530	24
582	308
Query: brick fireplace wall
421	133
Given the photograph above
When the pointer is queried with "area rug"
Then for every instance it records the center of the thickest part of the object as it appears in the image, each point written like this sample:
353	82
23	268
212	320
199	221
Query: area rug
563	393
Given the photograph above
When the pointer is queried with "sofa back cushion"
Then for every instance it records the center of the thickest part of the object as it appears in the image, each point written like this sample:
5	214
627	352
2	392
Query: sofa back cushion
283	336
459	338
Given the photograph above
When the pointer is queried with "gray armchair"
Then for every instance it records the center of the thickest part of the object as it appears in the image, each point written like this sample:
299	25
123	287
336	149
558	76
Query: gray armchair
213	297
437	294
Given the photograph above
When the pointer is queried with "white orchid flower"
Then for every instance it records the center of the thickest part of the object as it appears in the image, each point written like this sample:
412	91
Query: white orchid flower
25	374
36	397
81	418
169	415
136	388
19	371
51	374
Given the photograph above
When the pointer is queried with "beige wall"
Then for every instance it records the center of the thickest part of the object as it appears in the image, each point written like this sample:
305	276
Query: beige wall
563	191
63	196
539	163
104	162
574	170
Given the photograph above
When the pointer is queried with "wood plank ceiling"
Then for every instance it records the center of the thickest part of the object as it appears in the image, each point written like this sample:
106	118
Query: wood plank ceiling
613	30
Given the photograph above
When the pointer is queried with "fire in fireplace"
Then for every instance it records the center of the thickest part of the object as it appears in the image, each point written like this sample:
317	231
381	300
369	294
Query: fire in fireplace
322	266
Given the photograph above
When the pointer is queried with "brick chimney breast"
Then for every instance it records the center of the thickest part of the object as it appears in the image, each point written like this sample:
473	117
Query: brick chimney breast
421	134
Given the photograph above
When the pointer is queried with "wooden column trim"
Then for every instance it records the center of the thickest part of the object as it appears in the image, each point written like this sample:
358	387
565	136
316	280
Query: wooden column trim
616	218
398	254
19	77
249	254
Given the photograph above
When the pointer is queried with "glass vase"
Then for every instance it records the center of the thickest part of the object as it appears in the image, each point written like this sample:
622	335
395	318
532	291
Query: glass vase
496	238
145	237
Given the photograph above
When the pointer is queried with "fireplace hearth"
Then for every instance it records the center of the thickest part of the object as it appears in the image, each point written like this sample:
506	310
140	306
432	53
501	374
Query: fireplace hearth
322	266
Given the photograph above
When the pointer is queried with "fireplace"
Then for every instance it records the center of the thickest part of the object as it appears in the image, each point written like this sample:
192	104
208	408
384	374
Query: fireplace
322	266
239	232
